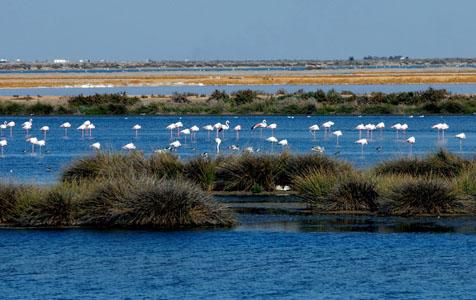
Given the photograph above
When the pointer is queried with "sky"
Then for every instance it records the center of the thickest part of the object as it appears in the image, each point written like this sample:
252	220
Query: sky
237	30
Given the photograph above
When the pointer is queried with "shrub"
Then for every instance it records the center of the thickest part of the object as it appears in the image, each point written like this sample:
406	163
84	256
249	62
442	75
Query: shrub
9	194
164	165
243	172
353	194
424	196
440	164
201	171
315	185
150	203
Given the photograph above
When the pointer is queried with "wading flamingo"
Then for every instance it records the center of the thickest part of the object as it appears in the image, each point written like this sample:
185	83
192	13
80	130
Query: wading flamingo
11	124
218	143
194	129
272	126
96	146
209	128
411	140
461	136
65	126
3	143
260	125
171	127
272	140
360	127
185	133
129	147
313	129
3	127
45	129
175	145
362	142
136	128
337	133
41	143
237	129
32	141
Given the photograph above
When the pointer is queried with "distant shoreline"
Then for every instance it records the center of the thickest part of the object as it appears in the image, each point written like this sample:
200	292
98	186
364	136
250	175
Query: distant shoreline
147	79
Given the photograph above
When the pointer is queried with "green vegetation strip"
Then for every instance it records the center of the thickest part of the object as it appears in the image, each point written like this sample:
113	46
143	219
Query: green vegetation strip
110	190
319	102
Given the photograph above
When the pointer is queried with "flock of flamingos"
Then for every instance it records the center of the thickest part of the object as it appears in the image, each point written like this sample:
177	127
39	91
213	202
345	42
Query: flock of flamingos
180	133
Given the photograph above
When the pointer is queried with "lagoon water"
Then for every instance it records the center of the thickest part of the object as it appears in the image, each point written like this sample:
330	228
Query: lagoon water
19	164
275	257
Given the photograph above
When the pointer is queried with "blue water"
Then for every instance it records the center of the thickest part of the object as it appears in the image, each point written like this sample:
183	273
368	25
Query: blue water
208	89
19	164
283	260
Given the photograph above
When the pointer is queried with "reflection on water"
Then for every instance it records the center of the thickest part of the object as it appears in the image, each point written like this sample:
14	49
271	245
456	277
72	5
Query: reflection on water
356	223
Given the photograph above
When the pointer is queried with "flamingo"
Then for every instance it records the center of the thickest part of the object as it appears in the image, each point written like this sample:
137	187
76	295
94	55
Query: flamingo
411	140
217	127
171	127
96	146
82	127
2	127
129	147
178	125
272	126
41	143
460	136
404	128
360	127
32	141
272	140
327	125
218	142
260	125
45	129
3	143
313	129
65	125
397	127
91	127
185	132
370	128
208	128
237	129
283	143
438	128
337	133
27	126
380	126
11	124
136	128
175	145
444	127
194	129
362	142
224	127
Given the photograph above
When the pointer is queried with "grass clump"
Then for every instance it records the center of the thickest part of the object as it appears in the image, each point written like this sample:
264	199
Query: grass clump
243	172
441	164
9	196
202	171
353	194
147	202
163	165
423	196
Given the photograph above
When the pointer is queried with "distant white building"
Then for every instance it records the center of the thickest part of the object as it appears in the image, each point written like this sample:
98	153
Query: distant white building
60	61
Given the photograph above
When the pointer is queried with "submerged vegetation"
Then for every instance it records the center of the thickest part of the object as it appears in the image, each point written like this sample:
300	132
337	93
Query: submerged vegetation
430	101
163	192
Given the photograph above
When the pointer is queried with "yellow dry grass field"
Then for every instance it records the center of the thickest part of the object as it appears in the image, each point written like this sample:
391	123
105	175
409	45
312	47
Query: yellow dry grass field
134	79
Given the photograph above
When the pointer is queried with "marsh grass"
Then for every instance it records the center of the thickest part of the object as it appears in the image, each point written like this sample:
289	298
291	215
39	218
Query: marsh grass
425	196
202	171
442	163
353	194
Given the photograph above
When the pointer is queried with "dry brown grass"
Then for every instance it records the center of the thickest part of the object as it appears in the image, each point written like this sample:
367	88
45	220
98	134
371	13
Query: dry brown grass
378	77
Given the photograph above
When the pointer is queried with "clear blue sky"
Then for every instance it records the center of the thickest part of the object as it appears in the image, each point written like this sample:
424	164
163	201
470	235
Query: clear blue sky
241	29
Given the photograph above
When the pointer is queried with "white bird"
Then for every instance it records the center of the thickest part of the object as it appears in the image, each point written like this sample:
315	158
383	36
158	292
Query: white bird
260	125
362	142
313	129
136	128
129	147
404	127
337	133
237	129
444	127
249	150
360	127
234	148
208	128
283	143
65	126
96	146
178	125
11	124
411	140
380	126
27	126
90	127
327	125
174	145
397	127
3	143
41	143
171	127
32	141
272	126
370	128
272	140
185	132
460	136
218	142
45	129
318	149
82	127
194	129
2	127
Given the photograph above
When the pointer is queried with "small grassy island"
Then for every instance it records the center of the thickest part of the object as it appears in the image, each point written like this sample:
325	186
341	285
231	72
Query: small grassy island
430	101
111	190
